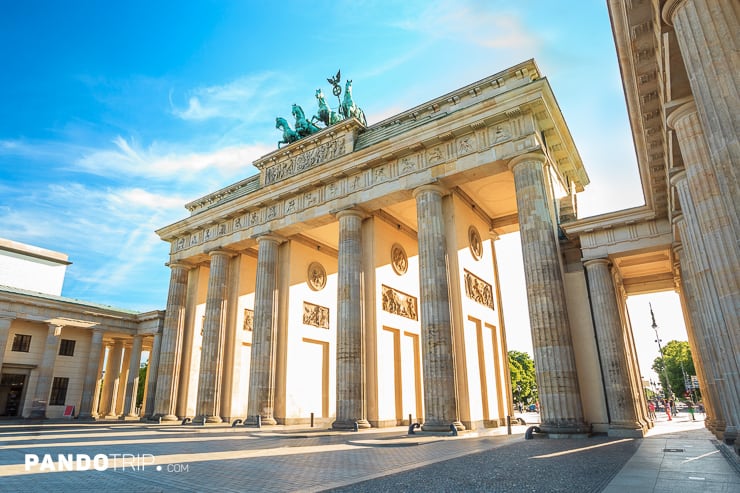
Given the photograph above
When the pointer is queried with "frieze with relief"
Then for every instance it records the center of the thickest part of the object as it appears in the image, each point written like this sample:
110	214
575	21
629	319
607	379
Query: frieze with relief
248	320
478	290
399	303
305	160
315	315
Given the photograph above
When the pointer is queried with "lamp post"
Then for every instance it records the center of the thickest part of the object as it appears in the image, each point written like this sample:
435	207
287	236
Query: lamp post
669	392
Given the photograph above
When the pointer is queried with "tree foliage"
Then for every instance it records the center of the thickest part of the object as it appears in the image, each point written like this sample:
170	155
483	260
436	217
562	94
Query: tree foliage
675	355
523	383
142	383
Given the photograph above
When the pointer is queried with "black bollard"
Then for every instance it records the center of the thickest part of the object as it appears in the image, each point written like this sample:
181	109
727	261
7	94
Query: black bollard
259	421
311	420
453	430
412	427
355	427
508	425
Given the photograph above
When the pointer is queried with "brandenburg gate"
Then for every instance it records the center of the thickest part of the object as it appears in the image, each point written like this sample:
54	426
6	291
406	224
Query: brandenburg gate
354	278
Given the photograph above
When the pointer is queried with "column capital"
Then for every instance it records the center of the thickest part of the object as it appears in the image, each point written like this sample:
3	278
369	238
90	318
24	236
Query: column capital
269	236
595	261
525	158
431	187
220	251
686	109
677	177
493	235
178	264
670	8
55	329
350	210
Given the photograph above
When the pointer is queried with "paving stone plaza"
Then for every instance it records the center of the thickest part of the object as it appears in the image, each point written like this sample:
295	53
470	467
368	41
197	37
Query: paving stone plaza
679	455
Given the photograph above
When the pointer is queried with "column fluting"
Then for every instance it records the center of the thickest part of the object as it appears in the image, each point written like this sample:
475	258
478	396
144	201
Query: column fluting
92	374
168	372
613	351
212	350
351	407
557	382
262	367
438	362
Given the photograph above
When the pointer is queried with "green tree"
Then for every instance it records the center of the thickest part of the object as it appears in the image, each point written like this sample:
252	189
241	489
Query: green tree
523	382
142	383
676	354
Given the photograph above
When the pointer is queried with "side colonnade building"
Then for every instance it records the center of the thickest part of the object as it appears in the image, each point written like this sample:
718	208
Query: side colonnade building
62	357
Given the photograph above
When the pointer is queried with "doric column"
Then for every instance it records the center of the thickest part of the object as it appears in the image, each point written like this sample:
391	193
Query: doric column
713	219
264	332
708	35
169	357
703	362
123	380
95	414
212	350
718	329
613	352
633	365
440	389
350	330
46	372
92	374
111	381
557	382
132	383
4	332
230	370
151	374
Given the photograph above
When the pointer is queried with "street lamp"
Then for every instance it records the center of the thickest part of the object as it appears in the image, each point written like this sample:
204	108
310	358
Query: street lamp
669	392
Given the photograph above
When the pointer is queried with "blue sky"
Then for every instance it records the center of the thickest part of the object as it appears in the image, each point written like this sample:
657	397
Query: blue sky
114	115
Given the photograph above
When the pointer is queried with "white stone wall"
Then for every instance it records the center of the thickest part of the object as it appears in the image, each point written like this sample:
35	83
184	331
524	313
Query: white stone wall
311	351
31	273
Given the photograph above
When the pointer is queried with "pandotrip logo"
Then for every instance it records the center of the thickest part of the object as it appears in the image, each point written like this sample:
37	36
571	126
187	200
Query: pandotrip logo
98	462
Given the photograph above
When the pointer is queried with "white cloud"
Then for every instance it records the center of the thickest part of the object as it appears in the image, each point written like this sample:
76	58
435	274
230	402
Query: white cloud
168	161
241	99
474	24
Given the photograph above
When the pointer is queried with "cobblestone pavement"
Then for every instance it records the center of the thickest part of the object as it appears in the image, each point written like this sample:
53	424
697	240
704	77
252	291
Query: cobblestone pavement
219	458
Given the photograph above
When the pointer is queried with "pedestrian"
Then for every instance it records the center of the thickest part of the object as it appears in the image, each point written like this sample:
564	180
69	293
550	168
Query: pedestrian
651	410
691	410
668	410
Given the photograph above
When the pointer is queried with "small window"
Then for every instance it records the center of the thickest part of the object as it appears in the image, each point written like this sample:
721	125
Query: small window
21	343
58	391
67	347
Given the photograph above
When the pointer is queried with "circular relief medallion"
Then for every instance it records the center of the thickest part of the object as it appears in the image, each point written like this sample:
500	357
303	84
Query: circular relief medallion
399	260
316	276
476	245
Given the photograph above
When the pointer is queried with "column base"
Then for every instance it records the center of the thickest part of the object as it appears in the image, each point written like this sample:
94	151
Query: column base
730	435
213	419
264	421
350	424
111	416
437	426
132	417
168	417
566	430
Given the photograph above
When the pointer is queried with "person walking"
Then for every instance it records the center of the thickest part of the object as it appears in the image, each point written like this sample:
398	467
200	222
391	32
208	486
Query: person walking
691	410
668	410
651	410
